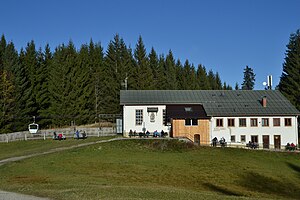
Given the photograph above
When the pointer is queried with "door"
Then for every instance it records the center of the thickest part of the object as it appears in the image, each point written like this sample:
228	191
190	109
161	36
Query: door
197	139
266	141
277	141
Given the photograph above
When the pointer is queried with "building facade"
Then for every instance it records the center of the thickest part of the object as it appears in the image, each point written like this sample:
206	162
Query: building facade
265	117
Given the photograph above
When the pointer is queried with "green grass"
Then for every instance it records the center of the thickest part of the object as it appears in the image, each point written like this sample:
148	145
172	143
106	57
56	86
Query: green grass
156	169
20	148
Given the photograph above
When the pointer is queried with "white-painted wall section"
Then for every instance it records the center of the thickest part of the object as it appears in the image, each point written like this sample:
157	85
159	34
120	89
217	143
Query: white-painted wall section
287	133
129	119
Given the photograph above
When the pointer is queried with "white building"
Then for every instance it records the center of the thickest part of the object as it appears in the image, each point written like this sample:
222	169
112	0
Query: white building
265	117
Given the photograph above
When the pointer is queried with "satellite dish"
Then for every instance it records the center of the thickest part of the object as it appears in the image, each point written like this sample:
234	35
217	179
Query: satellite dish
264	83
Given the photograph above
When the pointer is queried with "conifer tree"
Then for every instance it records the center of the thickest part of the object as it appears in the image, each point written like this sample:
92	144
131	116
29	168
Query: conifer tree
142	73
170	72
2	50
202	78
42	81
154	65
162	78
22	93
236	86
289	83
6	101
249	79
96	57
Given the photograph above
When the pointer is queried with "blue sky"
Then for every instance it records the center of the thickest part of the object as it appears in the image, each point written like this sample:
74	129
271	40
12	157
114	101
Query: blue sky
222	35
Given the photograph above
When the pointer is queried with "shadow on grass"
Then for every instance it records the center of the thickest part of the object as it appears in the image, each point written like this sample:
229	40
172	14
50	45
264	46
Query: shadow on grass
222	190
294	167
263	184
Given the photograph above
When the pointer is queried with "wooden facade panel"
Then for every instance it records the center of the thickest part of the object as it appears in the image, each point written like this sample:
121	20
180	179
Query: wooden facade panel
179	129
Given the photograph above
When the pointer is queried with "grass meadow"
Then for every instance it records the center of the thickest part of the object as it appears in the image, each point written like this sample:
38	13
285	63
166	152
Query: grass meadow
150	169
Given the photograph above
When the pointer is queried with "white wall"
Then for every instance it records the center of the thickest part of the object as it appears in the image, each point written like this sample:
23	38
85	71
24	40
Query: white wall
129	119
287	133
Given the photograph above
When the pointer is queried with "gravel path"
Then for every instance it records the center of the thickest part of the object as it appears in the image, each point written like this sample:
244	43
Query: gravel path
15	196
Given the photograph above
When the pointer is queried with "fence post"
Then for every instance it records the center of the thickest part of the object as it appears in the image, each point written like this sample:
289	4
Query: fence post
25	136
44	135
6	138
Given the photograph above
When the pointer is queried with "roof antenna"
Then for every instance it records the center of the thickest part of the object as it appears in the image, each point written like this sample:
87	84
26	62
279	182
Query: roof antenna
268	84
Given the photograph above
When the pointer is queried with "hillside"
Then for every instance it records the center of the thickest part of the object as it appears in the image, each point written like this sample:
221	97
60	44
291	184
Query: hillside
156	169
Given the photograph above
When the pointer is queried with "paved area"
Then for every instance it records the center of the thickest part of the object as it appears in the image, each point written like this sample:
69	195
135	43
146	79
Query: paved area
15	196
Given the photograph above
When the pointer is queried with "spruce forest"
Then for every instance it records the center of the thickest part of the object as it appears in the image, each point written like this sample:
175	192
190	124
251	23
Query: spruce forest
68	84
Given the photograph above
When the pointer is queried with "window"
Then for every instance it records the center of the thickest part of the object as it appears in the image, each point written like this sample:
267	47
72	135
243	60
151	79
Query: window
139	117
265	121
276	122
164	116
243	138
188	122
230	122
219	123
191	122
287	121
242	122
253	122
232	138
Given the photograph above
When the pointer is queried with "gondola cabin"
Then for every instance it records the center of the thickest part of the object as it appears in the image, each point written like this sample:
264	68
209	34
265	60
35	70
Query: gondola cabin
33	128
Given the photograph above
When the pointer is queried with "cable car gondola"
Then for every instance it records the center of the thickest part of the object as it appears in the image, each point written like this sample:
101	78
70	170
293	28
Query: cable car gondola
33	128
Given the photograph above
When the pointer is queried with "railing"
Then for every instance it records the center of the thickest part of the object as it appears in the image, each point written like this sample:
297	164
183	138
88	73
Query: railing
48	133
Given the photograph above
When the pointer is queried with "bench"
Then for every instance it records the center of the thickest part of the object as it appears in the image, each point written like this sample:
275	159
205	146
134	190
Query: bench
252	146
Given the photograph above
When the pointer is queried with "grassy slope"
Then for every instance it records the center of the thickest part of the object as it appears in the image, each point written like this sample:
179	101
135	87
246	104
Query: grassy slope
156	170
20	148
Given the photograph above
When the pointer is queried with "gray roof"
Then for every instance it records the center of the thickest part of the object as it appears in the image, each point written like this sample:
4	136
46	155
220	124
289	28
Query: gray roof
215	102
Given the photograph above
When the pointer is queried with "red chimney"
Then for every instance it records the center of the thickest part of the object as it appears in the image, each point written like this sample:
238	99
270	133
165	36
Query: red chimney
264	101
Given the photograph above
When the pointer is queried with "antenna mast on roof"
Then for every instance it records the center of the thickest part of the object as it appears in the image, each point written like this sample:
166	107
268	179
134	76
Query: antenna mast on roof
268	84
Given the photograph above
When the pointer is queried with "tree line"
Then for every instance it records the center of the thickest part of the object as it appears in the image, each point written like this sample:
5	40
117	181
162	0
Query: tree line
67	84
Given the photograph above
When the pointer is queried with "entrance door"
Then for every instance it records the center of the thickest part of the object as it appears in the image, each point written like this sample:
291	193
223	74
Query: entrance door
266	141
277	141
197	139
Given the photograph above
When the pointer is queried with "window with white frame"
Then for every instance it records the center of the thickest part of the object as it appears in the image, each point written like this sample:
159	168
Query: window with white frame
139	117
265	121
276	122
191	122
219	123
243	138
242	122
232	138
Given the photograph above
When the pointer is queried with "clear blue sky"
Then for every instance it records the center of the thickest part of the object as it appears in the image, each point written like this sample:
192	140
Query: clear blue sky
223	35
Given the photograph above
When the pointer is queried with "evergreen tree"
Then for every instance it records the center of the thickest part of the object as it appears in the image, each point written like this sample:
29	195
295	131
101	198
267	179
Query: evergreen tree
249	79
170	72
42	81
289	83
162	78
218	82
179	75
6	101
96	63
62	85
2	50
154	65
236	86
117	66
212	80
22	94
142	74
202	78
